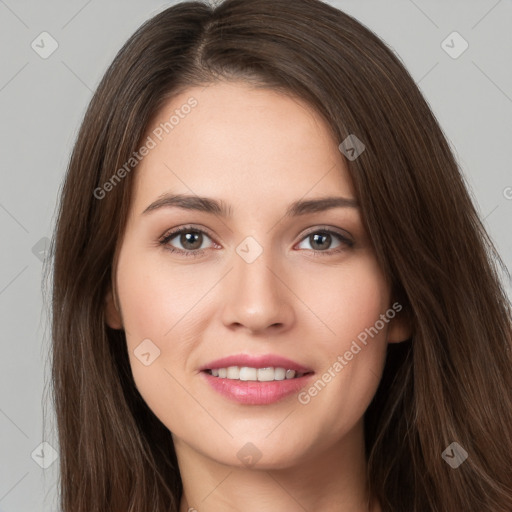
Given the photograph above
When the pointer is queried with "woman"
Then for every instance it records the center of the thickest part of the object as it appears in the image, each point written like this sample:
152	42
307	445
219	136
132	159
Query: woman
271	289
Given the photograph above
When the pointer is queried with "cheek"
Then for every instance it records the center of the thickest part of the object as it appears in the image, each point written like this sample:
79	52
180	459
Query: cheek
348	301
353	354
156	300
162	319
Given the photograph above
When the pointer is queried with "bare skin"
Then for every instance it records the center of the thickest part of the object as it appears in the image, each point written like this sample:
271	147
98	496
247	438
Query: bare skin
257	151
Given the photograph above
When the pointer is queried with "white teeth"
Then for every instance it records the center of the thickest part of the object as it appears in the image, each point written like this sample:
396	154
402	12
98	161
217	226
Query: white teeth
247	373
280	373
290	374
265	374
233	372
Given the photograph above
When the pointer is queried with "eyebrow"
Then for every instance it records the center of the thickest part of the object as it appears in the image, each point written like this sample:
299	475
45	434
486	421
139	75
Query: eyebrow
209	205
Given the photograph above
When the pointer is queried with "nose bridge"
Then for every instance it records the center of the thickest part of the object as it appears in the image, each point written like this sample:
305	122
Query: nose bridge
256	296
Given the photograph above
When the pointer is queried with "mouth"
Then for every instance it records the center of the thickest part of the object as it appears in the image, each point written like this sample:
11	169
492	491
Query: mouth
252	374
256	379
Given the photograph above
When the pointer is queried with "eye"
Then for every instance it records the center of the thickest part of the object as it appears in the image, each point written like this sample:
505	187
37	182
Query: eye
321	240
189	240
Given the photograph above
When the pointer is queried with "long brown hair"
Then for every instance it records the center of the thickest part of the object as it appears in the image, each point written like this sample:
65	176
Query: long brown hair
451	382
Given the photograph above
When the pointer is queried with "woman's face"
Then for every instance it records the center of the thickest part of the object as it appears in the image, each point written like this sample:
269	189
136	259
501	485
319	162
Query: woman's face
260	272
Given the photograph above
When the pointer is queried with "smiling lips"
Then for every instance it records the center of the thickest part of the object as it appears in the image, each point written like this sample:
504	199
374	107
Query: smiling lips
256	380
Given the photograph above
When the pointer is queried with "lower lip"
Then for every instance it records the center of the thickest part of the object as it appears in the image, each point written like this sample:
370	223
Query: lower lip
255	392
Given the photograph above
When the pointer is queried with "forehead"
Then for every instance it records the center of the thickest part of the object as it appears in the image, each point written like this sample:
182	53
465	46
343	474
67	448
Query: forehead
241	144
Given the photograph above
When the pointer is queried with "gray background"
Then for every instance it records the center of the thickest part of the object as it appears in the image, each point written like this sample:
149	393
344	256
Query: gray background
42	102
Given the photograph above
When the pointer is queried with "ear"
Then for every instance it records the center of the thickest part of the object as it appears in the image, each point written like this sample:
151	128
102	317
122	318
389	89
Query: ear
399	328
112	311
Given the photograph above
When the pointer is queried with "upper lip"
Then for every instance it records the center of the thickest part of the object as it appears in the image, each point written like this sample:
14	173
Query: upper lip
256	361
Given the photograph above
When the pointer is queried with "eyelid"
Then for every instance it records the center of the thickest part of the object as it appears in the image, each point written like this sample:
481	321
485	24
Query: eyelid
185	227
324	228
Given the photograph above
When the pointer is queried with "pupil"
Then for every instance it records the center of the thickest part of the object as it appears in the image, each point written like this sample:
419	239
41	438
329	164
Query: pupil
324	237
188	238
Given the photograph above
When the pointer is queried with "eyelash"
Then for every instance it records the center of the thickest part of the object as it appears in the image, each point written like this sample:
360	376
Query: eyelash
164	241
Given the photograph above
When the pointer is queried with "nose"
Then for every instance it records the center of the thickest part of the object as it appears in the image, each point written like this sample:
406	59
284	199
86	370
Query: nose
256	296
